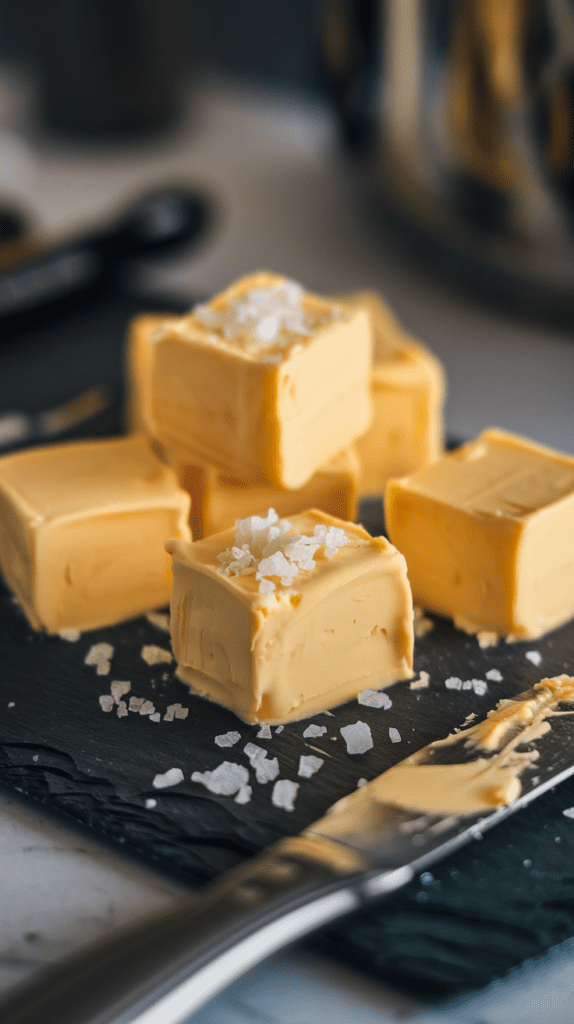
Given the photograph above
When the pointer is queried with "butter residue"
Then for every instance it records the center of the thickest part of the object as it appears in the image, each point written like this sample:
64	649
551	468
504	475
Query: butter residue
487	782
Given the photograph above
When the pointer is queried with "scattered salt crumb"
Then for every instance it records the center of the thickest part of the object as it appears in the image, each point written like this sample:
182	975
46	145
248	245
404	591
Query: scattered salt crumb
175	711
467	685
226	780
135	703
156	717
453	683
495	675
284	794
309	764
154	655
266	769
159	619
35	757
357	737
11	704
313	731
100	656
227	739
426	878
119	688
122	709
527	863
568	812
395	735
150	803
421	624
375	699
534	656
71	635
486	638
106	701
147	708
172	777
279	729
264	732
361	783
480	686
421	683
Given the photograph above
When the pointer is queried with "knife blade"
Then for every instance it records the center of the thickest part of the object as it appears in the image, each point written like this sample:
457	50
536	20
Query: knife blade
368	845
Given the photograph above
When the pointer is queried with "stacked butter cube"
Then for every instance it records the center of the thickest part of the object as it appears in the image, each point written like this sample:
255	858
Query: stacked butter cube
269	396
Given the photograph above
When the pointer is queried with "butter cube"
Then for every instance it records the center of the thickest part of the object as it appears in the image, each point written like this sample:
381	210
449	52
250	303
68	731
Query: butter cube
408	391
216	503
83	531
266	383
142	335
488	535
276	639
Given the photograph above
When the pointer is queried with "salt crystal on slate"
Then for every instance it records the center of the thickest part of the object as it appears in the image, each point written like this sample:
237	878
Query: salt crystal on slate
395	735
150	804
284	794
147	708
421	683
153	655
100	656
361	783
225	780
569	812
494	675
122	709
309	764
135	703
159	619
175	711
244	795
357	737
479	686
264	732
266	769
227	739
453	683
118	688
279	728
534	656
155	718
314	730
375	699
106	701
172	777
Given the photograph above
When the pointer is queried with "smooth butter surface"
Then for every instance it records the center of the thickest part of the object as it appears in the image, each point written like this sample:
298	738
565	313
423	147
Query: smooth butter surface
408	388
343	627
488	534
84	526
273	416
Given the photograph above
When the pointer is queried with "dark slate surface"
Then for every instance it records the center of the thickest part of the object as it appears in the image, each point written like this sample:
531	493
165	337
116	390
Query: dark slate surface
487	908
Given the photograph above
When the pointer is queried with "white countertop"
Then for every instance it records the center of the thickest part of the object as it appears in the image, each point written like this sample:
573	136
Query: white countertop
286	203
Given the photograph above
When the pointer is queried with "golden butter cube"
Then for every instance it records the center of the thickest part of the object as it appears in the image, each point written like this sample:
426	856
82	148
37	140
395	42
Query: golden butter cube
408	390
488	535
341	627
216	503
142	334
267	383
83	531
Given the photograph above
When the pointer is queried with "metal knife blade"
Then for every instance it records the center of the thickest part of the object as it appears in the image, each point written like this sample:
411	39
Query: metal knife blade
368	844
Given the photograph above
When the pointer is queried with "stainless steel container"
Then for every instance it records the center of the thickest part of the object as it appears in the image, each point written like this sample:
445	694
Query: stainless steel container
459	115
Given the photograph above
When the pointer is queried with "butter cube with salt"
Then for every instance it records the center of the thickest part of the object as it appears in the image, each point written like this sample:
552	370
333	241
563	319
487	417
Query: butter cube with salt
488	535
280	620
408	390
83	531
266	383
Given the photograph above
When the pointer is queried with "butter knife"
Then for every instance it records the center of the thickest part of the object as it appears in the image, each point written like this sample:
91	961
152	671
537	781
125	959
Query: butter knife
368	845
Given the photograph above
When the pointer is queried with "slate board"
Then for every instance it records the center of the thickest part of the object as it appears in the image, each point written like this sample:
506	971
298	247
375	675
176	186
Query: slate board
484	910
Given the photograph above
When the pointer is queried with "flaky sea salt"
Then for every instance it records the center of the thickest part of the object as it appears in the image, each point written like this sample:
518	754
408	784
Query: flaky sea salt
226	780
394	735
159	619
453	683
135	703
361	783
71	635
175	711
284	794
357	737
106	701
421	683
150	803
100	655
227	739
568	812
153	655
375	699
172	777
309	764
119	688
495	675
266	769
534	656
122	709
155	717
264	732
260	317
480	686
313	731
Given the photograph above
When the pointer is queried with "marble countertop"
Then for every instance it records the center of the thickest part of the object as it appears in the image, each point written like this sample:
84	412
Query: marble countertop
284	201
